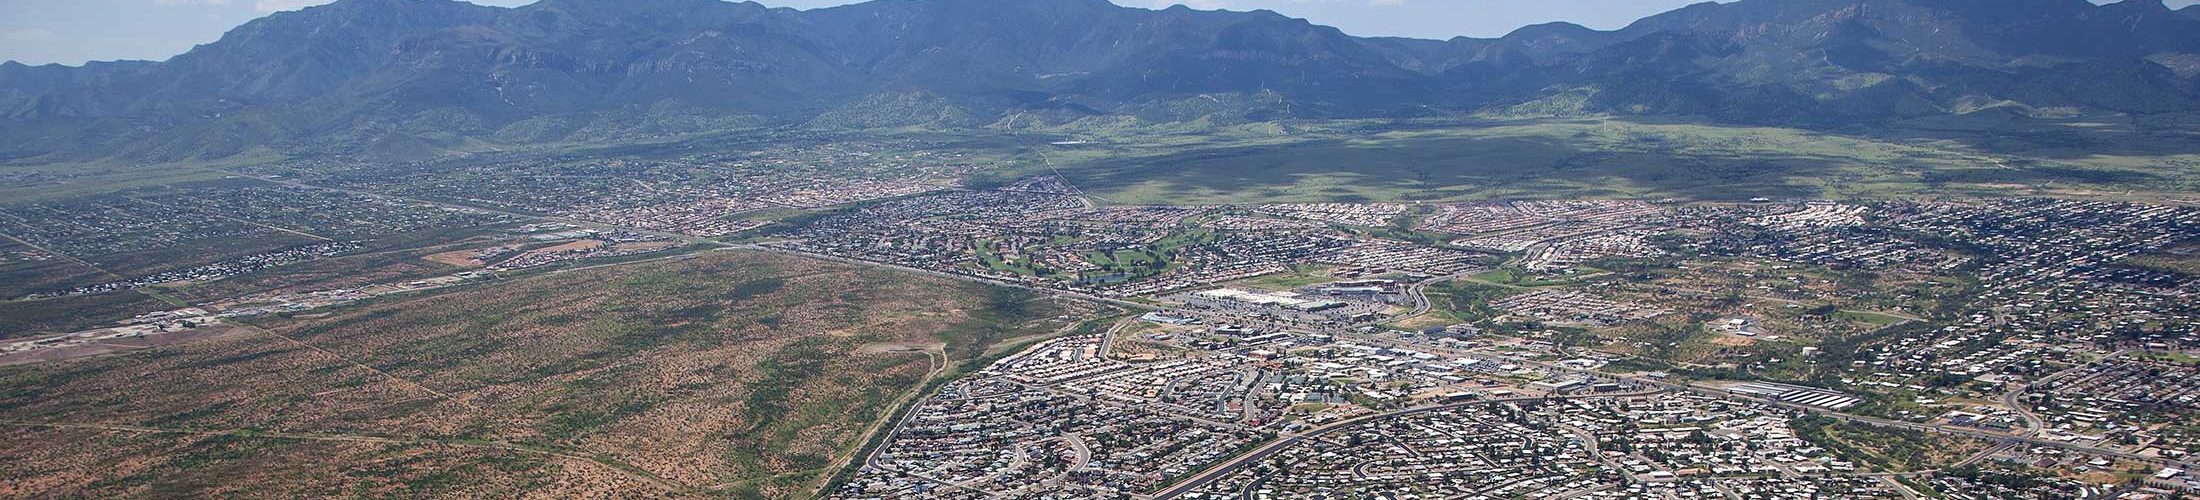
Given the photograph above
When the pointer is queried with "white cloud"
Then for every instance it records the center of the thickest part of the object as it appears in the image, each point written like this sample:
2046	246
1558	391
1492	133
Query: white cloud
190	2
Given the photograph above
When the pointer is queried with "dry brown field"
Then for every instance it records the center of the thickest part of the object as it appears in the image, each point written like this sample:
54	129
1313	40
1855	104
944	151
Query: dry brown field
735	374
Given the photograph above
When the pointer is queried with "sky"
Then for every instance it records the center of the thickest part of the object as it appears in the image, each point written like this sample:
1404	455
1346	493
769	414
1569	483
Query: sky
75	31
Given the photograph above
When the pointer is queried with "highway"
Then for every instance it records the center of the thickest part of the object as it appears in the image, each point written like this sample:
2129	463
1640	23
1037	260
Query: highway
2033	424
1419	293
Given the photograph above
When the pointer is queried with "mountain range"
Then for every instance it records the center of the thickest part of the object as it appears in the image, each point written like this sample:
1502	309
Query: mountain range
365	74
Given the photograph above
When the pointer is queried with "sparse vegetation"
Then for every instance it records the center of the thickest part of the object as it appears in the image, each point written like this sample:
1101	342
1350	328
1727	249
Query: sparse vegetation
645	379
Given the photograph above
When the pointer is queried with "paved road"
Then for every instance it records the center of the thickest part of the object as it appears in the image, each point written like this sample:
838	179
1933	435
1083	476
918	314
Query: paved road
2034	425
1421	304
1419	292
1107	339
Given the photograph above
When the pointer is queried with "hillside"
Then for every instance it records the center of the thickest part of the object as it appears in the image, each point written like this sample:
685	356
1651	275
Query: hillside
423	75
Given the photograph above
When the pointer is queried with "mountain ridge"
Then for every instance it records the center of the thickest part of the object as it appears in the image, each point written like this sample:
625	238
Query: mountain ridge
355	73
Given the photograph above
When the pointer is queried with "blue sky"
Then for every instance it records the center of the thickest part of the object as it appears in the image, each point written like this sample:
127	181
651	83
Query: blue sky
74	31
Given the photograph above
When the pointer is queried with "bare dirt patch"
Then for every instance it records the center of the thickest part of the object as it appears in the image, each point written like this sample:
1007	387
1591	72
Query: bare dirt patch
458	258
111	346
573	246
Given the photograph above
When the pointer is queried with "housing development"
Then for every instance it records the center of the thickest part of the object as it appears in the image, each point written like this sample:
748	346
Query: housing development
1569	348
1101	249
1502	349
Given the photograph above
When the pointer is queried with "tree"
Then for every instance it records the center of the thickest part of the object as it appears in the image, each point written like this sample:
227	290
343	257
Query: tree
1823	310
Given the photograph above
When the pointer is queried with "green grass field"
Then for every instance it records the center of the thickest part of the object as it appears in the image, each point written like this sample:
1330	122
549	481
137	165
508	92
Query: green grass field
73	179
2188	265
1587	158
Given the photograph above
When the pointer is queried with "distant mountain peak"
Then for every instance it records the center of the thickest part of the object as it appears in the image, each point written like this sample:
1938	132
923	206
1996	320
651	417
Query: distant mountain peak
1552	28
353	72
353	6
639	5
2151	5
2139	10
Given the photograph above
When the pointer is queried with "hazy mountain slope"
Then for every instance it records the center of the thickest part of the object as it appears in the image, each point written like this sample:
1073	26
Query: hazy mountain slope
1530	46
1002	53
46	90
1838	62
419	75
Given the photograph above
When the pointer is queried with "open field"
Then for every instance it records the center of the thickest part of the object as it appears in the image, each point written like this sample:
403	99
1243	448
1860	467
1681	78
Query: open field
40	182
63	314
2184	262
1563	158
742	374
63	181
391	259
